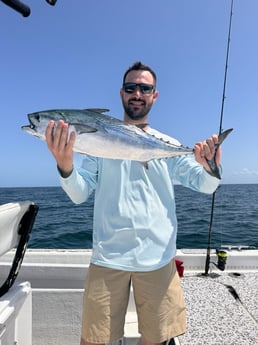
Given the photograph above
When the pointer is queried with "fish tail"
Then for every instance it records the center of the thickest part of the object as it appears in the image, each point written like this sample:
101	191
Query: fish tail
223	135
215	171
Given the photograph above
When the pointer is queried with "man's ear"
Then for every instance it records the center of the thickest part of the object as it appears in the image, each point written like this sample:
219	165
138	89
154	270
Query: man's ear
155	95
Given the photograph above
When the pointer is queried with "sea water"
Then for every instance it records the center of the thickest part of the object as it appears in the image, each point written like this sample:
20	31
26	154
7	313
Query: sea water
62	224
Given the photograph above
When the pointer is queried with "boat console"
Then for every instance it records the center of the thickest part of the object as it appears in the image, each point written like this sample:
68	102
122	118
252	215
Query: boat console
16	221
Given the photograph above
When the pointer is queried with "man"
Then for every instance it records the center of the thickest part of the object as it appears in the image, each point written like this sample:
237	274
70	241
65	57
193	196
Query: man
134	227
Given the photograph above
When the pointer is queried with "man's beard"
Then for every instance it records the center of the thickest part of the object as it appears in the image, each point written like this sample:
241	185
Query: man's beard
133	111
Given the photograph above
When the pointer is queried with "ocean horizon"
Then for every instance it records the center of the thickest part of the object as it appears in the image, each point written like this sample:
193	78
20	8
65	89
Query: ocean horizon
64	225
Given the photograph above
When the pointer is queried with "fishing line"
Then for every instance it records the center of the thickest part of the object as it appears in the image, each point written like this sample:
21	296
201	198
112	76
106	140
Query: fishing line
207	263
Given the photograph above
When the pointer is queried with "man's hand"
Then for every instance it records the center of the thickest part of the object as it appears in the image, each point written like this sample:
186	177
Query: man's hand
204	150
61	145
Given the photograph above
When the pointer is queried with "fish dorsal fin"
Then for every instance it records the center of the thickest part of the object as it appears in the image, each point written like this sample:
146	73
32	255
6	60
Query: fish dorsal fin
97	110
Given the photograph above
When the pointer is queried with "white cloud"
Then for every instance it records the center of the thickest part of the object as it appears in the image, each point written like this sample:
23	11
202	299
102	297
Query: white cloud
246	172
244	175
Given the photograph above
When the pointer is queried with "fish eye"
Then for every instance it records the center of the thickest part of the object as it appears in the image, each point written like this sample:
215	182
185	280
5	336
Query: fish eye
37	117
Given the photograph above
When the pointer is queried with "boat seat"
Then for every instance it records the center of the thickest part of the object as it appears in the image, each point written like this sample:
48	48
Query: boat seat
16	221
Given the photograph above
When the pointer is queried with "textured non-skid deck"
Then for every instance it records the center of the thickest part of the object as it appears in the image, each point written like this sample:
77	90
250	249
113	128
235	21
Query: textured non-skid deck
221	309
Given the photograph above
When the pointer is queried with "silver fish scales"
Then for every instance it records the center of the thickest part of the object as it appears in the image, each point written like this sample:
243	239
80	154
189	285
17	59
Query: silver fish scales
100	135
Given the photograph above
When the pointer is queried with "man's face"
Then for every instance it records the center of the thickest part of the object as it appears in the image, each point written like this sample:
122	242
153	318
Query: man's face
136	102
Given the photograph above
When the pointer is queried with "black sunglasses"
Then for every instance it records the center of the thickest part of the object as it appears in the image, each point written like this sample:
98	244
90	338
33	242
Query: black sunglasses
145	89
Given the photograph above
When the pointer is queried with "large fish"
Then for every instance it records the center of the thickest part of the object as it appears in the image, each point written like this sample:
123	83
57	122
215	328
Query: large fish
104	136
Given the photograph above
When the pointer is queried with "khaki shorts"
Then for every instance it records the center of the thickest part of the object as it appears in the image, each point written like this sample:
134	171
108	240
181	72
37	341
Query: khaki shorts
158	298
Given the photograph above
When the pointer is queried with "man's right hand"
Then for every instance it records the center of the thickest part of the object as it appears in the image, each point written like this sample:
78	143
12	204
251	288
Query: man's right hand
60	145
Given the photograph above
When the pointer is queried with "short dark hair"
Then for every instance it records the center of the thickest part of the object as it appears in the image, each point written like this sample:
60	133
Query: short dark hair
138	66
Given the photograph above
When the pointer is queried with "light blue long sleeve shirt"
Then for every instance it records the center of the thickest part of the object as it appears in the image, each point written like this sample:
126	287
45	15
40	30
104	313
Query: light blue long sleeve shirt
135	224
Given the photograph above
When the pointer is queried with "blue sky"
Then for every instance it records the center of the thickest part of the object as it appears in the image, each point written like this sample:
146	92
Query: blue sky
73	55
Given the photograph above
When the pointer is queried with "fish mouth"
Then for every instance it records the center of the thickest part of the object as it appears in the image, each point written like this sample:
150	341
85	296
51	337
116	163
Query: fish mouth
31	124
30	127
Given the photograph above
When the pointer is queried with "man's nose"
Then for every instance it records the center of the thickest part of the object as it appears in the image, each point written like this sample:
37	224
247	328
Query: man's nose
137	91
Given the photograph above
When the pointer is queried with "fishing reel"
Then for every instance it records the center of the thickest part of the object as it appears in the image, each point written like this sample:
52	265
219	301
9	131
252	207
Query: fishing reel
221	264
222	259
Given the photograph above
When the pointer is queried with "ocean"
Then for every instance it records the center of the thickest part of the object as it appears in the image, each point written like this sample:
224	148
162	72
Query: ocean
62	224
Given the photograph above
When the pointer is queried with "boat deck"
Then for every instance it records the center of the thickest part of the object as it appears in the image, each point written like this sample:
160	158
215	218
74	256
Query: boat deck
221	308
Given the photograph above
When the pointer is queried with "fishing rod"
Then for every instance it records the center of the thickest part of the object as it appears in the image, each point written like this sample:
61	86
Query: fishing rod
221	254
22	8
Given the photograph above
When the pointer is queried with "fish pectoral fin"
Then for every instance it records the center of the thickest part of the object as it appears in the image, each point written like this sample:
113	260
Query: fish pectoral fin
80	128
97	110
